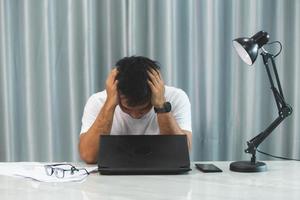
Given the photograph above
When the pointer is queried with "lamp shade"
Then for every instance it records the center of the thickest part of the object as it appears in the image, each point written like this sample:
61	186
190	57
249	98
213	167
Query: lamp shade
247	48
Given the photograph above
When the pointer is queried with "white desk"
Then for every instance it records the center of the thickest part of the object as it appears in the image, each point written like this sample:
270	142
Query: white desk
281	181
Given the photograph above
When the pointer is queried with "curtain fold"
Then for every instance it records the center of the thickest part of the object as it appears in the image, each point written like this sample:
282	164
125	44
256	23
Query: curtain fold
54	54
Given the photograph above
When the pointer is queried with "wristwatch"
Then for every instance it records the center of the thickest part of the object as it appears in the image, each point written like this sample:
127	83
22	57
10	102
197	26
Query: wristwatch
165	109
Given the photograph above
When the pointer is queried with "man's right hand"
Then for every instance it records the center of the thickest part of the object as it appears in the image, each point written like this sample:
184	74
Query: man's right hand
89	141
111	88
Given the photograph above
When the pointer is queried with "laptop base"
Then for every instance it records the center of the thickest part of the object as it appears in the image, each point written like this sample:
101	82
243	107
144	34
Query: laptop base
126	171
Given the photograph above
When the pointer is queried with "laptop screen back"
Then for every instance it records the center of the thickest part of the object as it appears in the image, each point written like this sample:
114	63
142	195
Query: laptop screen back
143	151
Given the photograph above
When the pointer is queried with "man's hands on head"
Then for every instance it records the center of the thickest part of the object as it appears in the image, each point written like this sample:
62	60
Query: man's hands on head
111	88
155	82
157	87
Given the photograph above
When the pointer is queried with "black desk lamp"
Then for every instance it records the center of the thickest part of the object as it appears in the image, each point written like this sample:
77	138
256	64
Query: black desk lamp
247	49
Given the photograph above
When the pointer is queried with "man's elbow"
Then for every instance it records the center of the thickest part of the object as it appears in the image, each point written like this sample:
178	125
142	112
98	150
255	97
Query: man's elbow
87	156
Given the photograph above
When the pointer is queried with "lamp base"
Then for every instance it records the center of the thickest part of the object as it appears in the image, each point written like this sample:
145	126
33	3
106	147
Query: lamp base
248	166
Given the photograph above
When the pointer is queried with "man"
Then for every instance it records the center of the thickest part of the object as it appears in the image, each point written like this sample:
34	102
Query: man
135	101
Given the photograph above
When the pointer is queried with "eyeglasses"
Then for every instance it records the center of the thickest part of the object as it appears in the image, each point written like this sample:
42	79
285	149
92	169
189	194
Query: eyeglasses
59	170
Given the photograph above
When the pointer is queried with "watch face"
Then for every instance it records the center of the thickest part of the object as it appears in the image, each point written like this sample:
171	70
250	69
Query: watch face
166	108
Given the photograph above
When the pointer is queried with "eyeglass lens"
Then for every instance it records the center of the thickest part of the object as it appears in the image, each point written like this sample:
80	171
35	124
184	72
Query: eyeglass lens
49	170
59	173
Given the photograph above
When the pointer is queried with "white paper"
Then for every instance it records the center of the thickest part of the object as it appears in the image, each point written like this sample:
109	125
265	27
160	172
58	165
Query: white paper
36	171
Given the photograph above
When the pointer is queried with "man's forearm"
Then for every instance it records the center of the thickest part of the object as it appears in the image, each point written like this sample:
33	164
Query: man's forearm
89	141
168	125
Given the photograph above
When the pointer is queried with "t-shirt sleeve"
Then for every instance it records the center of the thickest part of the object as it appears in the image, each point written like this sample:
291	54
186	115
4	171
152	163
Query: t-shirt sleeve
90	113
181	109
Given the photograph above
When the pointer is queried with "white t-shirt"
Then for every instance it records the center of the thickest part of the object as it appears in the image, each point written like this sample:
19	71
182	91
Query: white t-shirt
124	124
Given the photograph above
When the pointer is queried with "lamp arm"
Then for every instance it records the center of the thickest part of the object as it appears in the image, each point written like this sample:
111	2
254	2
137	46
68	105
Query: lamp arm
278	95
284	110
255	142
277	78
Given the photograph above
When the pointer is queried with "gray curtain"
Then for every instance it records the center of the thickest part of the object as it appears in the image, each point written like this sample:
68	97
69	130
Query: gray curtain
55	53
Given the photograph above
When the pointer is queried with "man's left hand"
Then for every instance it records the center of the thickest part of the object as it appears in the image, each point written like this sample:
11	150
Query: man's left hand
157	86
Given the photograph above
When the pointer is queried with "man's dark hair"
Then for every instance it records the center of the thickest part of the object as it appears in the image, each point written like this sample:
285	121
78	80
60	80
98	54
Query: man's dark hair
133	78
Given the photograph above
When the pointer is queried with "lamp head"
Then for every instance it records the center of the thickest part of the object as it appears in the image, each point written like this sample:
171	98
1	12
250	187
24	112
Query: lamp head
247	48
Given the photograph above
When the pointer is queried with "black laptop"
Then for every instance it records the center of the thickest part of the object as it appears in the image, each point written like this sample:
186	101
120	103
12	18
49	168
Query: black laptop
143	154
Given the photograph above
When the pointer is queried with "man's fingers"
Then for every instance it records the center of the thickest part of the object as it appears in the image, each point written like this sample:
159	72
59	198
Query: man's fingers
154	71
157	83
160	76
154	76
151	85
116	82
114	72
153	79
112	76
151	76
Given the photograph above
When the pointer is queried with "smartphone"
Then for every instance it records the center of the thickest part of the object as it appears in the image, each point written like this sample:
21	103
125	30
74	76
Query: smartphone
208	168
